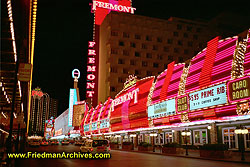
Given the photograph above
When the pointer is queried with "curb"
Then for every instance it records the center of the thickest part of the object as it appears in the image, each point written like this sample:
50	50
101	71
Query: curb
173	155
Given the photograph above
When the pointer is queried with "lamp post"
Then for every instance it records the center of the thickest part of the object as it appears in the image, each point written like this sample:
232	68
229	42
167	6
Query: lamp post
185	134
153	135
241	131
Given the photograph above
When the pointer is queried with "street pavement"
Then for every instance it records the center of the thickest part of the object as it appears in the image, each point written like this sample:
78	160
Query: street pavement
119	159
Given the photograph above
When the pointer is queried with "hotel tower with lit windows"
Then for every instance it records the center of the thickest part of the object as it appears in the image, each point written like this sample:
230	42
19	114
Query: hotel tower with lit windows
143	46
43	107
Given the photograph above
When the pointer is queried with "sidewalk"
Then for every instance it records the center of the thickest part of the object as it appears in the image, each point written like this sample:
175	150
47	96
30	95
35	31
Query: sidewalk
235	158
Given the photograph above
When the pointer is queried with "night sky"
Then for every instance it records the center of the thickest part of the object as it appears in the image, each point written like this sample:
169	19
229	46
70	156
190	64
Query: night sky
64	28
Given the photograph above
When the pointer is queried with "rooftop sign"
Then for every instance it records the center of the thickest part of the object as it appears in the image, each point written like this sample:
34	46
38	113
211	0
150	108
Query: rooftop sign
113	7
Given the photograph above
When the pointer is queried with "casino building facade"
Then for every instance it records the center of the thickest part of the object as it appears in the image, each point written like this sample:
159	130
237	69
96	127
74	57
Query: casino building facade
208	96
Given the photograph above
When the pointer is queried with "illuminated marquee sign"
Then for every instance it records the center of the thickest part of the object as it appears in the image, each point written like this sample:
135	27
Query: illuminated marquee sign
94	126
182	104
128	96
238	90
72	101
91	69
114	7
208	97
104	123
162	109
58	132
86	128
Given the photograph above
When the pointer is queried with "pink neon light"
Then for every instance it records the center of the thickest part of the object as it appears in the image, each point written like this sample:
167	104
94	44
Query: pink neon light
91	44
91	60
91	52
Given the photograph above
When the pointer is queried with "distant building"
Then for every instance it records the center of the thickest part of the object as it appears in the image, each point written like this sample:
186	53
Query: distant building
42	108
144	46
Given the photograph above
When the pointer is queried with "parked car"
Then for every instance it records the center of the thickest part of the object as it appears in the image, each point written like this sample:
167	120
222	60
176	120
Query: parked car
79	142
54	142
95	146
34	142
44	143
65	142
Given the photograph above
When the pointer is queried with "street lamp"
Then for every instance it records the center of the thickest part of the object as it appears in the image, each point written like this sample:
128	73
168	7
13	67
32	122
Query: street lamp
241	131
153	135
185	134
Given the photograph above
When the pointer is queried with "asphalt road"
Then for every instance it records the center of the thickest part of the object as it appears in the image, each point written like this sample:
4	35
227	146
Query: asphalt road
118	159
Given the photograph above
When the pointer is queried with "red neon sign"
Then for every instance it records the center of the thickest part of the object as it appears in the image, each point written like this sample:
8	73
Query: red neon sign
91	69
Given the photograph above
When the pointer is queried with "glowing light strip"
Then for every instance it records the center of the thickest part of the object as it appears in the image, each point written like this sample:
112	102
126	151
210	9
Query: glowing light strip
22	106
14	114
12	28
19	85
4	131
4	115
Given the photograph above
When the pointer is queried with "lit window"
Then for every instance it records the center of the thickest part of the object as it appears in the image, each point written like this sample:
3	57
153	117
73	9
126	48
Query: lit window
144	64
126	35
114	51
170	41
132	44
180	59
155	47
185	35
155	65
160	57
170	58
144	46
125	53
189	28
149	55
137	36
121	61
148	38
159	39
176	50
149	72
176	34
190	43
179	27
121	43
132	62
114	33
179	42
137	54
195	36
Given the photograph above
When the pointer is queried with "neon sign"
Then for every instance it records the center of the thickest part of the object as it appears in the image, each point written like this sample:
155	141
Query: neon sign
208	97
128	96
72	101
162	109
238	90
182	104
76	73
91	68
113	7
37	92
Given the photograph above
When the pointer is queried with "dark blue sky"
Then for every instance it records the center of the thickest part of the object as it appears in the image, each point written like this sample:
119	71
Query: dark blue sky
64	28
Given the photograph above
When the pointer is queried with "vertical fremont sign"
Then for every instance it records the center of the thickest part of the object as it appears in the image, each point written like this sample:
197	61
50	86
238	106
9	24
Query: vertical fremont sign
91	70
101	8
